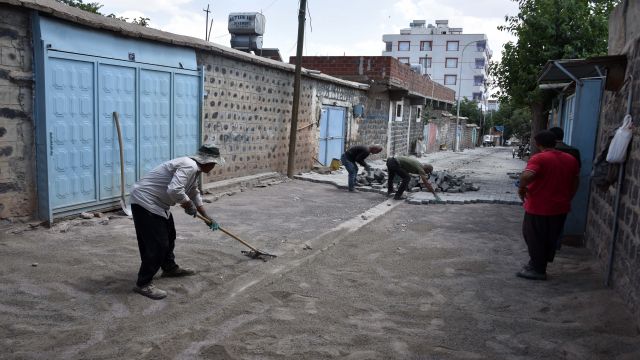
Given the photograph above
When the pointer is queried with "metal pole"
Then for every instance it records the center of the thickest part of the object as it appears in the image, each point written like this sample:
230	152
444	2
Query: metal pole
296	91
206	22
457	146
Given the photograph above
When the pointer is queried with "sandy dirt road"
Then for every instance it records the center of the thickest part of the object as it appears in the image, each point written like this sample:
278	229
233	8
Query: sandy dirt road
357	277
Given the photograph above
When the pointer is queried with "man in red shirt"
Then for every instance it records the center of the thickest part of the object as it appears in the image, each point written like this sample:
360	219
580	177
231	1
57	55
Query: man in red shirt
547	185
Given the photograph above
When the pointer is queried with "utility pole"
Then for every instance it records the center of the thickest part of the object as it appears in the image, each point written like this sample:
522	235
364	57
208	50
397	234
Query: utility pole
206	22
293	133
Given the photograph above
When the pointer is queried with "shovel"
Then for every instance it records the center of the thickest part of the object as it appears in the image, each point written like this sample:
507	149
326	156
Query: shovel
254	253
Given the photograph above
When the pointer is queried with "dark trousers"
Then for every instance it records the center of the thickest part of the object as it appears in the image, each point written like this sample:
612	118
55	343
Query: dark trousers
393	168
541	233
352	169
156	240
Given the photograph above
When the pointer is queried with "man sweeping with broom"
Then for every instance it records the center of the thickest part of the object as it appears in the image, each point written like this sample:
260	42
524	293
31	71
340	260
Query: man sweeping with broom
172	182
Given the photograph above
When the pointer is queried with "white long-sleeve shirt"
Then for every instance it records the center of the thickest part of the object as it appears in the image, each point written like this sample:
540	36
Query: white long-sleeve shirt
171	182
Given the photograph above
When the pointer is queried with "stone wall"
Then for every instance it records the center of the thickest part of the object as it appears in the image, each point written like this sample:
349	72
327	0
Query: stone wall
624	38
247	112
17	155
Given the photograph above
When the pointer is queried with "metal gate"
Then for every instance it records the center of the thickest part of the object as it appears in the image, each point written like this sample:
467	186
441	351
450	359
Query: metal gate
332	134
159	108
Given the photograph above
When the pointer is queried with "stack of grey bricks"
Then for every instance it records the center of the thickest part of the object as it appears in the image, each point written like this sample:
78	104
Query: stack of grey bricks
624	38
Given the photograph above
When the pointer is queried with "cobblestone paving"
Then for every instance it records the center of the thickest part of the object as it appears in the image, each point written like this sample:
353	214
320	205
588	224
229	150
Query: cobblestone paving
488	168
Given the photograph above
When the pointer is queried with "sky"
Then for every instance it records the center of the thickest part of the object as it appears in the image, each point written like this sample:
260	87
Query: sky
333	27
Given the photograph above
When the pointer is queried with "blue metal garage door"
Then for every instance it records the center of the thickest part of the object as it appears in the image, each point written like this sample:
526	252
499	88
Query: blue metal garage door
158	107
332	128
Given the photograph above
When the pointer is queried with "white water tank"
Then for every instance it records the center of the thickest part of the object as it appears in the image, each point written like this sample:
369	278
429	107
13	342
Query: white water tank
246	23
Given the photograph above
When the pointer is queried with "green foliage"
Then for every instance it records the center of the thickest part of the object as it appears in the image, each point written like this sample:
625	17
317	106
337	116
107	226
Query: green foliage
95	8
90	7
470	109
547	30
516	121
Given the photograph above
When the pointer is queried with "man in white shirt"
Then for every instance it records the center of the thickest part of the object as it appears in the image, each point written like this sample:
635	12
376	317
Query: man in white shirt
172	182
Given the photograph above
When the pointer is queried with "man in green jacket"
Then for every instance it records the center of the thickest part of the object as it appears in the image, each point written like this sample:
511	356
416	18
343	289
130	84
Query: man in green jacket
403	166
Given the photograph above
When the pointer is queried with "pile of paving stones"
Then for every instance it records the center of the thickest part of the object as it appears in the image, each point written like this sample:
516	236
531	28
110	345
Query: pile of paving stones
375	179
447	182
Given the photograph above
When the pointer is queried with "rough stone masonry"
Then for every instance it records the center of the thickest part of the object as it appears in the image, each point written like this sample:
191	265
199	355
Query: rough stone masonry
16	122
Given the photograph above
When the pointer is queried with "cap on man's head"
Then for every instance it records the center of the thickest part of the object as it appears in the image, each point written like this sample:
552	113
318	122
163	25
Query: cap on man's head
428	168
208	154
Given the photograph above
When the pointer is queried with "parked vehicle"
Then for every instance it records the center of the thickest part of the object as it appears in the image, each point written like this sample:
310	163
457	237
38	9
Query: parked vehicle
488	140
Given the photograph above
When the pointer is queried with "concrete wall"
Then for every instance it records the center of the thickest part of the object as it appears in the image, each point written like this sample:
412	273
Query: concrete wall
247	112
624	38
17	156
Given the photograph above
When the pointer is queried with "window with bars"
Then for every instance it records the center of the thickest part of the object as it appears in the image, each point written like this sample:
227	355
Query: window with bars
479	63
481	46
478	80
477	96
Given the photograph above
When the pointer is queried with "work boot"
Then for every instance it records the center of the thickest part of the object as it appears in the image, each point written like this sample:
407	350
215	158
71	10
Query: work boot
401	197
178	272
528	272
151	292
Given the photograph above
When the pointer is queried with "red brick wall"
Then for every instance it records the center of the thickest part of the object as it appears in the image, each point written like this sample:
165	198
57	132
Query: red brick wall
384	69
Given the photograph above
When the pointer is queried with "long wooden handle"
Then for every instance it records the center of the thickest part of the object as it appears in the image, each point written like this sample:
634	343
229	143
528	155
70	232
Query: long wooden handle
208	222
116	118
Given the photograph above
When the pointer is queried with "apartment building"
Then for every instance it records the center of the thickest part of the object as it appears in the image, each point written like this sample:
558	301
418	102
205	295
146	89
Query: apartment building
450	57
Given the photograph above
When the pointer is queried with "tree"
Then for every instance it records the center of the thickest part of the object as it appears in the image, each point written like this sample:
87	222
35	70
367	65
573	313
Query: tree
470	109
95	7
547	30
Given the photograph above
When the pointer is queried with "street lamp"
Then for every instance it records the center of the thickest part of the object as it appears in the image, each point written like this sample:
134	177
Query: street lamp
457	146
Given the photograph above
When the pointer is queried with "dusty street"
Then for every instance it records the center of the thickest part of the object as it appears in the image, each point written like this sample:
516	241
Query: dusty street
357	277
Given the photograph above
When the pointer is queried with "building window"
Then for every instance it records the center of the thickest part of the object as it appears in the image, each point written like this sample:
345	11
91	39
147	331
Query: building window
477	96
479	63
388	46
450	79
451	63
404	45
399	111
419	113
378	104
426	62
404	60
425	45
452	45
481	45
478	80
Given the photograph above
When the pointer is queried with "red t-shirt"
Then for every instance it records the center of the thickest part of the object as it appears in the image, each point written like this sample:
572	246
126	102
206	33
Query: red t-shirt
551	190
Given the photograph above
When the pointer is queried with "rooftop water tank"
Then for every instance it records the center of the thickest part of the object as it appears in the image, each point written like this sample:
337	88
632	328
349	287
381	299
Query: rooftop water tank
246	23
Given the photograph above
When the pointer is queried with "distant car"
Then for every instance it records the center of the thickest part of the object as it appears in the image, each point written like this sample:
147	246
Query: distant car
488	140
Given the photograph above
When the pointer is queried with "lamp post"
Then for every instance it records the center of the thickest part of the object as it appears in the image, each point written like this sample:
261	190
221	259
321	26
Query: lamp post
457	146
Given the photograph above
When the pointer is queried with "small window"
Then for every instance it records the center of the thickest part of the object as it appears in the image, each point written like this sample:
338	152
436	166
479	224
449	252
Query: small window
404	45
481	46
426	62
419	114
425	45
452	45
378	104
451	63
450	79
388	46
404	60
398	111
478	80
477	96
480	63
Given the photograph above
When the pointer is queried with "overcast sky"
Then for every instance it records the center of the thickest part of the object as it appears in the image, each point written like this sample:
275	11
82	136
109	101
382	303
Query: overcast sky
334	27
